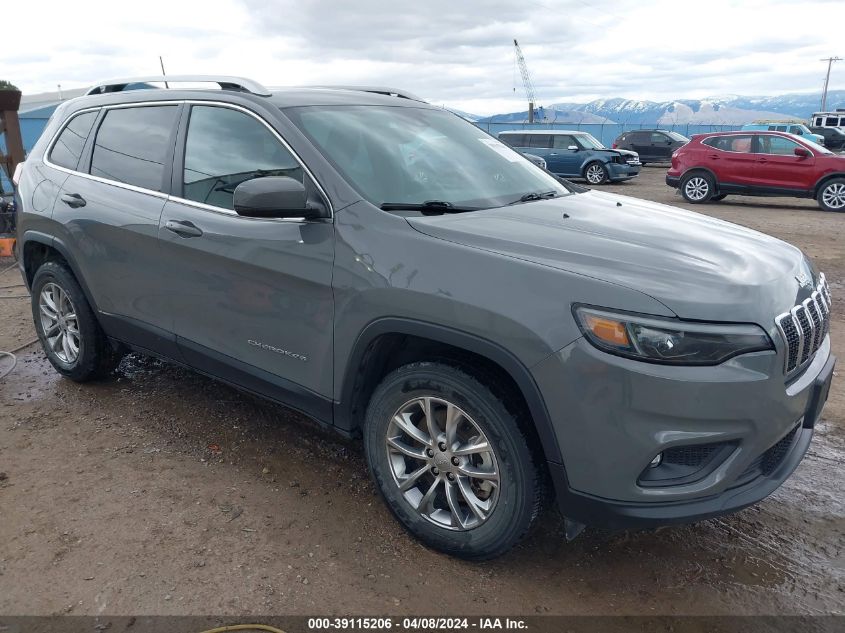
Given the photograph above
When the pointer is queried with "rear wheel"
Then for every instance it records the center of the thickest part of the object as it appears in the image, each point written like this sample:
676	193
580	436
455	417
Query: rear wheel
451	461
66	326
831	196
596	174
697	187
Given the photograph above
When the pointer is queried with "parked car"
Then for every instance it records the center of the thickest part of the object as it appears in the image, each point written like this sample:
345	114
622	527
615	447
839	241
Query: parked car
711	166
829	119
540	162
798	129
652	146
390	270
834	137
573	154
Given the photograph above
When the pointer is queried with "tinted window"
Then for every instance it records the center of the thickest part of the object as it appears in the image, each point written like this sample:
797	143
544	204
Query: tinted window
796	130
132	145
562	141
831	121
730	143
776	145
68	147
657	137
819	121
540	140
514	140
226	147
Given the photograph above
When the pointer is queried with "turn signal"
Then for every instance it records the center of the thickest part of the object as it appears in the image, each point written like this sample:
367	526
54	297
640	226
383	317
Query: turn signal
610	331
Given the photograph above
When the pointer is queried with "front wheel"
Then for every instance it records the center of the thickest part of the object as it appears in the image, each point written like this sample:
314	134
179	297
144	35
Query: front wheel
451	461
596	174
831	196
697	188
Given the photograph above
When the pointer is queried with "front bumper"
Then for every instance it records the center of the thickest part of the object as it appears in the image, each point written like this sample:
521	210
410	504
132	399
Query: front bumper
619	171
618	414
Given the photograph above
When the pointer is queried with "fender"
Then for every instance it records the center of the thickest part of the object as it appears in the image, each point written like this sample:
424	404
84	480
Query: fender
64	251
470	342
815	190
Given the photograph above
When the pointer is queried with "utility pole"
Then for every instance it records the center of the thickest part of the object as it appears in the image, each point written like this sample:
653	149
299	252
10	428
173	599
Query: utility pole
829	61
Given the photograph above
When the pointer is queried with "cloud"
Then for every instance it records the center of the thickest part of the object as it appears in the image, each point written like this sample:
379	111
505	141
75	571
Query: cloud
452	52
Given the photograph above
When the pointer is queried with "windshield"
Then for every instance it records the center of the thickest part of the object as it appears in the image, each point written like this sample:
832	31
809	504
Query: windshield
589	141
678	137
404	155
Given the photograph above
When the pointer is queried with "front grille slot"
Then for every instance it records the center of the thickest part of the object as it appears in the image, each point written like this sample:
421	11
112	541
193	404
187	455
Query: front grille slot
766	463
805	326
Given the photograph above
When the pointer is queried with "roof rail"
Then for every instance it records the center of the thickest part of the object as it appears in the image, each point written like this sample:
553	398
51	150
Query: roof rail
381	90
238	84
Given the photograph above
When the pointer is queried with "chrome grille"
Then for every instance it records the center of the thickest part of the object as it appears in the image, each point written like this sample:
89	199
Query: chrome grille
804	327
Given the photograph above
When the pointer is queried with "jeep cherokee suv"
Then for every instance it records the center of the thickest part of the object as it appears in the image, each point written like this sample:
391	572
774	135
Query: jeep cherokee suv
392	271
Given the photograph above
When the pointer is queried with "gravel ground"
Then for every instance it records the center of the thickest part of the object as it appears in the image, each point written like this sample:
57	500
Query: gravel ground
163	492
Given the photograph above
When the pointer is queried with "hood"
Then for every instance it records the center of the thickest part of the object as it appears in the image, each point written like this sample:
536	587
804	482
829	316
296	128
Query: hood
699	267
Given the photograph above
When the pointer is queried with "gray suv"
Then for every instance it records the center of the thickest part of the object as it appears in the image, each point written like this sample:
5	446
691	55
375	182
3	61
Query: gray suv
498	337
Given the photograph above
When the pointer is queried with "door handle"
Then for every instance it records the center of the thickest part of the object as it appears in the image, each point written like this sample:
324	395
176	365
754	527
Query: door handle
714	157
762	160
73	200
553	154
183	228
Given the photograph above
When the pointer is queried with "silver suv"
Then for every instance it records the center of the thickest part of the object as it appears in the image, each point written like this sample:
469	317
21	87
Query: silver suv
492	332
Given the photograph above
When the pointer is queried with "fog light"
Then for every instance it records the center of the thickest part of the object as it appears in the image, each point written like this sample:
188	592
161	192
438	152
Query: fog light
656	461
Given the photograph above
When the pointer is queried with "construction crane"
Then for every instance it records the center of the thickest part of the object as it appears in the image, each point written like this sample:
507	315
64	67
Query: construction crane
526	80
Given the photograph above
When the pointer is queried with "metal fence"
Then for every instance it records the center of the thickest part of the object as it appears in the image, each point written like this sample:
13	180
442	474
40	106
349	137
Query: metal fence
606	132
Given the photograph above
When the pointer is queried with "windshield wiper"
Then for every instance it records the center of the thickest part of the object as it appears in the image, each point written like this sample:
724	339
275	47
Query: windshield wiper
440	206
533	195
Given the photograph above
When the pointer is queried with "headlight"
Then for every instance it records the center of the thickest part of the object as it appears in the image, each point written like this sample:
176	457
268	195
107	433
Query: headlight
669	341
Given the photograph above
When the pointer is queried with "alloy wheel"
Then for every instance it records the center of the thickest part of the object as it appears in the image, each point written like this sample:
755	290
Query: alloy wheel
696	188
59	323
443	463
595	174
834	196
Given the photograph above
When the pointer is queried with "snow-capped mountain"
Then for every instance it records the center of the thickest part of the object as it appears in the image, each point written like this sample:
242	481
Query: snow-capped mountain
720	110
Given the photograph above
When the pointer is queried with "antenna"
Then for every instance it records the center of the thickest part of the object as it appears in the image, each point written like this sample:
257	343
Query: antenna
163	74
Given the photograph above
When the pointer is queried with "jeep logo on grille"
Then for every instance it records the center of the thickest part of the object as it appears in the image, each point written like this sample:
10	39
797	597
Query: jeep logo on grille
804	280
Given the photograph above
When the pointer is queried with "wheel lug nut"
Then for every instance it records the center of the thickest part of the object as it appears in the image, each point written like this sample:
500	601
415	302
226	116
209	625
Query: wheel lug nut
435	471
442	446
456	461
430	453
450	477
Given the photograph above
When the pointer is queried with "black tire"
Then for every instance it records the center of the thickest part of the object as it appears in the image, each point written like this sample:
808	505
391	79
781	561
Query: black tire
718	198
595	173
521	477
697	187
831	195
96	357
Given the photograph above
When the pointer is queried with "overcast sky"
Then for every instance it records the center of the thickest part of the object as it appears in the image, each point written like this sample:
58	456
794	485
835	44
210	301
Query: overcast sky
453	52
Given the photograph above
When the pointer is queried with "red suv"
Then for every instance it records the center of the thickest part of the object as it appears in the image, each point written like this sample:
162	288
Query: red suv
711	166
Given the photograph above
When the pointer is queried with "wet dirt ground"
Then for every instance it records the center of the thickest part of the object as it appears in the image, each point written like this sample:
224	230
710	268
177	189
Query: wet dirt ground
163	492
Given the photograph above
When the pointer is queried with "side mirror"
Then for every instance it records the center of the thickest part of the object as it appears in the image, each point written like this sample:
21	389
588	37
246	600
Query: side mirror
273	197
573	148
802	152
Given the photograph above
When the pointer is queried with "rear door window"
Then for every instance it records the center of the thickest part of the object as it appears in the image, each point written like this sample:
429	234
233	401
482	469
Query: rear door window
739	143
540	140
68	146
226	147
132	145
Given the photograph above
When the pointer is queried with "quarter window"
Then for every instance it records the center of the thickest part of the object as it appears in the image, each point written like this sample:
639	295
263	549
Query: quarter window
132	145
68	147
226	147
